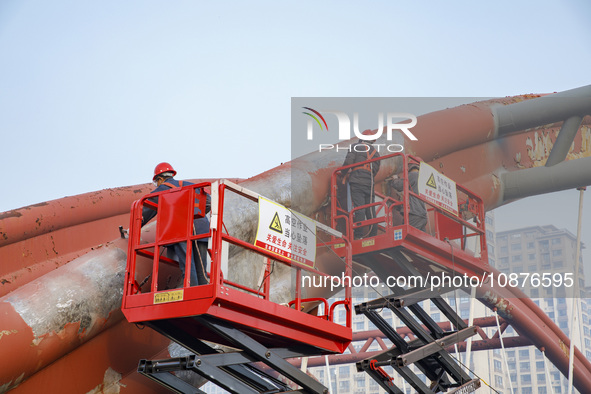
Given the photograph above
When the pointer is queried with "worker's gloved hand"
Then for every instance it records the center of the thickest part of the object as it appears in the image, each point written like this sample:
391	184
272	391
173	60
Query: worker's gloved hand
124	233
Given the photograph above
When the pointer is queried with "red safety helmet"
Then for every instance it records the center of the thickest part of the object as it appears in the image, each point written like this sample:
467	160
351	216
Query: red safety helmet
161	168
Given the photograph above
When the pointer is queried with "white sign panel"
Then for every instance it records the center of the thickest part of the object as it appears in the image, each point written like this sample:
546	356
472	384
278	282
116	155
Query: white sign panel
437	189
288	234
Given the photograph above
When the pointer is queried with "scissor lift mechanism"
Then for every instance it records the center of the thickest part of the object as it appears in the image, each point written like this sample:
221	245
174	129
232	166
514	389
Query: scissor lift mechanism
400	249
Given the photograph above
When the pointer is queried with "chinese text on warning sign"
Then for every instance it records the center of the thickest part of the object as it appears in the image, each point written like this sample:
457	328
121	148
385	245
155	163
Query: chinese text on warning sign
438	189
285	233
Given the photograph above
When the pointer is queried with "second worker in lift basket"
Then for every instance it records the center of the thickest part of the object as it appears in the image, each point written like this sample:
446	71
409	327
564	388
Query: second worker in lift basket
417	215
361	183
164	179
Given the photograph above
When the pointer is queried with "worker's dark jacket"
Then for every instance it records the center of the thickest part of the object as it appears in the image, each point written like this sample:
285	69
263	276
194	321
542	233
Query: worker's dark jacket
417	207
201	224
364	174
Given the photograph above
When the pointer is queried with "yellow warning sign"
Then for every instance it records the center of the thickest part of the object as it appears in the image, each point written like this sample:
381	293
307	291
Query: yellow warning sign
431	182
168	296
368	242
276	224
437	189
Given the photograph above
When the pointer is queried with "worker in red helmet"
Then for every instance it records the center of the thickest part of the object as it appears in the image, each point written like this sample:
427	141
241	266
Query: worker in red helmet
164	179
417	215
163	168
361	182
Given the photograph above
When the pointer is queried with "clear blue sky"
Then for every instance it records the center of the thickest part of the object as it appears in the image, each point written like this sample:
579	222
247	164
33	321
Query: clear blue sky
93	94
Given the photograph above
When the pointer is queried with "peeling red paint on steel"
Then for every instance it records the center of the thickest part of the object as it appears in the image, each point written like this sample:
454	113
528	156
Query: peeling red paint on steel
10	214
16	345
42	237
35	220
442	132
42	326
119	349
479	167
531	322
37	239
442	142
30	259
60	311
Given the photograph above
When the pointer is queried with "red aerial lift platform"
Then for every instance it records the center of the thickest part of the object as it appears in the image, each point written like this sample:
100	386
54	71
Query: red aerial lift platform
387	243
447	236
227	313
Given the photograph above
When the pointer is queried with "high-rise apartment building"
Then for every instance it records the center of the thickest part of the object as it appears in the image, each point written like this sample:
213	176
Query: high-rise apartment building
550	252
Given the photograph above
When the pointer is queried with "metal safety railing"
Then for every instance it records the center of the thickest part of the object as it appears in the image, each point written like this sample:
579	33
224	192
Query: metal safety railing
391	209
176	210
333	242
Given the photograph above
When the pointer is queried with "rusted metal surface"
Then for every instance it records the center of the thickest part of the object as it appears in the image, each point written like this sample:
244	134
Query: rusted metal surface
532	323
60	311
49	315
103	365
37	239
34	220
57	256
